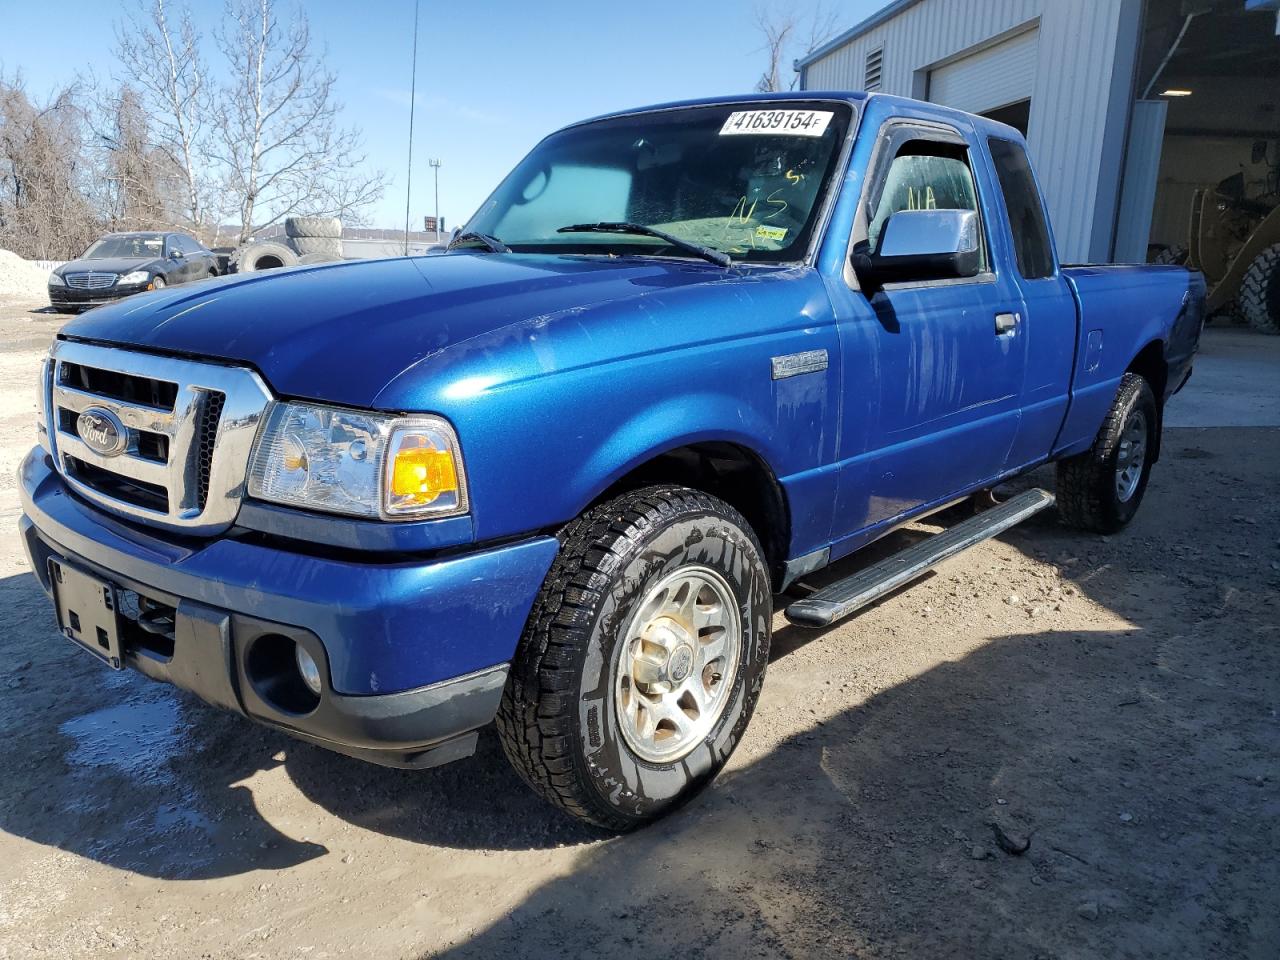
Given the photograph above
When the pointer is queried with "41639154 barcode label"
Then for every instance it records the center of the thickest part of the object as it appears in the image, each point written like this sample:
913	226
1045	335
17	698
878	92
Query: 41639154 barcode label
785	123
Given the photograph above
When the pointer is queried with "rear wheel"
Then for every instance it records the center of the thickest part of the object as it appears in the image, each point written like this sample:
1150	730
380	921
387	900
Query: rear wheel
1101	489
1260	291
642	659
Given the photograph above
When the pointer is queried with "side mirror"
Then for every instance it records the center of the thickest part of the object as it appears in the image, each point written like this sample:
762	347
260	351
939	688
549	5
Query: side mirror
923	245
176	254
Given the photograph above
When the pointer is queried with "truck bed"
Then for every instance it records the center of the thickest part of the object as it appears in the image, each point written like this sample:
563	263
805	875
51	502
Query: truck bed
1153	308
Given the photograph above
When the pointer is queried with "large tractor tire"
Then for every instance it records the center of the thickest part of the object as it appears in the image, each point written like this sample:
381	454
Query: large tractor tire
1260	292
264	255
329	248
330	227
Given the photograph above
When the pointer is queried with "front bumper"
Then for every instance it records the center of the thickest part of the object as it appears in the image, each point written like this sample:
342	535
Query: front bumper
69	297
413	653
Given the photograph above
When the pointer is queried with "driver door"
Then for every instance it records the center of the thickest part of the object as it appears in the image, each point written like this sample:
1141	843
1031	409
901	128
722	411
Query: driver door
934	371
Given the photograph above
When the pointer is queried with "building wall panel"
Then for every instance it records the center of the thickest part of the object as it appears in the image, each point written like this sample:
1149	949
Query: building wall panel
1079	101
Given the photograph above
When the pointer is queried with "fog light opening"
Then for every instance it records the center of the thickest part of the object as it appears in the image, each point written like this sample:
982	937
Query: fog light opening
283	674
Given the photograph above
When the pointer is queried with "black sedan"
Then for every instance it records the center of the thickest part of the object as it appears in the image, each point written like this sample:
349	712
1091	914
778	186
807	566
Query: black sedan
121	264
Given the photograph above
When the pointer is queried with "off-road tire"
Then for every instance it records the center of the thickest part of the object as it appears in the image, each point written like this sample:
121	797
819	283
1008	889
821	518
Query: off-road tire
1087	497
313	258
1174	256
557	721
313	227
263	255
1260	292
326	247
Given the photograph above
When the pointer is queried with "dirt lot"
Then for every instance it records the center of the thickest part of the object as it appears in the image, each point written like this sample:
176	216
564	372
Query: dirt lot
1114	700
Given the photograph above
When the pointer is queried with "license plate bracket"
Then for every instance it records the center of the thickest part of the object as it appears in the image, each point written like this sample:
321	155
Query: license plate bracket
88	612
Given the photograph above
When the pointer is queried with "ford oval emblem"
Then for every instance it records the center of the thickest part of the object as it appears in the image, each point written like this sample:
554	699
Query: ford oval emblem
102	431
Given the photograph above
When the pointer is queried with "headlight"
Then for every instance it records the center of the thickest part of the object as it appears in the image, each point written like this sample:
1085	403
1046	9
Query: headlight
55	280
138	276
357	463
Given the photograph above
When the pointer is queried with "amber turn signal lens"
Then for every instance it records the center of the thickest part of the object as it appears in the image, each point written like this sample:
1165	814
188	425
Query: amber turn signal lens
421	473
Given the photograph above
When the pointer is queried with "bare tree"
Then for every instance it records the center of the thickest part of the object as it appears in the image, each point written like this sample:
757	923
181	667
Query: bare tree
135	189
45	210
159	52
786	32
279	138
777	28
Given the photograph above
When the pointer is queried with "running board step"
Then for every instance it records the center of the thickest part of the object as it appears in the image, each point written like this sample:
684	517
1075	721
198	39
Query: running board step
848	596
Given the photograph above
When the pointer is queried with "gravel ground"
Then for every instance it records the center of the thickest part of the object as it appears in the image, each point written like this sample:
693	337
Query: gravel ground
1112	702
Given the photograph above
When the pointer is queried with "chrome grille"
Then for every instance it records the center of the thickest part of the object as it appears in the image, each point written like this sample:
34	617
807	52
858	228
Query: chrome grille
90	280
189	430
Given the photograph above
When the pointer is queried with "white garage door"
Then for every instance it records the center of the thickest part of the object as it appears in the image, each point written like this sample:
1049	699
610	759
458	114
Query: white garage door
995	76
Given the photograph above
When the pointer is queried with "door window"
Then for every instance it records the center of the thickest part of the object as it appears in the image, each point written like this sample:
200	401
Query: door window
925	175
1027	223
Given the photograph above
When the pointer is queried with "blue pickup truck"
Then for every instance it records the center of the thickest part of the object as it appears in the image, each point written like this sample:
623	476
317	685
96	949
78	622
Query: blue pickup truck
558	476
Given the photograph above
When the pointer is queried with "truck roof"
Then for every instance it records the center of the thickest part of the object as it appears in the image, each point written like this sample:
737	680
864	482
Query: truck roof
846	96
839	96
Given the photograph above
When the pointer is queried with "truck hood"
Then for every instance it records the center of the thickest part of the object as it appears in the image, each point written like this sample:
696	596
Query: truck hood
342	332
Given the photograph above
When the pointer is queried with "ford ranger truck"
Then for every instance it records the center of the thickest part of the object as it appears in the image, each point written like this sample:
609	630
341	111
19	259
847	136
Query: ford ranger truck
555	476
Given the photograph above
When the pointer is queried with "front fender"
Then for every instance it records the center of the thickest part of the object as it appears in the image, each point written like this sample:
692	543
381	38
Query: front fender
668	424
553	410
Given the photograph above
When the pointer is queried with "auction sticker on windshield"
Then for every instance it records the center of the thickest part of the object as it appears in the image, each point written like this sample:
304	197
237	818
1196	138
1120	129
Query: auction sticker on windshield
786	123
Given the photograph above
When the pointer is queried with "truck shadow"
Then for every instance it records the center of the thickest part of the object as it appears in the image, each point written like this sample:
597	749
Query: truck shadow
145	777
148	778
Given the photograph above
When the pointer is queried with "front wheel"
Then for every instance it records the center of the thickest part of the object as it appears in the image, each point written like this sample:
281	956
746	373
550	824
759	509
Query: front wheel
157	283
1101	489
642	659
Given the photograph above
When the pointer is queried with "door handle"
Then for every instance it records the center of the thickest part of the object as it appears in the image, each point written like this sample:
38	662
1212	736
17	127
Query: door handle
1006	323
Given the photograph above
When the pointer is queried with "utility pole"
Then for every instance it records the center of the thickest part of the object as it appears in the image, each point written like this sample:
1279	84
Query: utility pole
435	169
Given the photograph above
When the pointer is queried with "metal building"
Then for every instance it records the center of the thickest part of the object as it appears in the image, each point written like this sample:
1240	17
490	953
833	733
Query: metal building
1129	106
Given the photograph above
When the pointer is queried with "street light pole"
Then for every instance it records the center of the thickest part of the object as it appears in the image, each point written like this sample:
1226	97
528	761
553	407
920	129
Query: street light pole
435	169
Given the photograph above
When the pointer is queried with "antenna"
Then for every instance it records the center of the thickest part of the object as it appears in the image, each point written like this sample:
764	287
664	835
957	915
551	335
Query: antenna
413	93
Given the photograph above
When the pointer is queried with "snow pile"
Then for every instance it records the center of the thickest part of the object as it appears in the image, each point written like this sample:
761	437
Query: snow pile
21	278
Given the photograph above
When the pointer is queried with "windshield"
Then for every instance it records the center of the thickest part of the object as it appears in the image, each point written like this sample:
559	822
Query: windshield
742	179
133	246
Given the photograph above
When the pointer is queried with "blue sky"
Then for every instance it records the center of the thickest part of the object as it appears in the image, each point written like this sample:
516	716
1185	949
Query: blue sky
494	76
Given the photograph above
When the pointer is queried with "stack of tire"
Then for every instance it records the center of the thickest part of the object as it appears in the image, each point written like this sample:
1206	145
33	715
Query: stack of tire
307	240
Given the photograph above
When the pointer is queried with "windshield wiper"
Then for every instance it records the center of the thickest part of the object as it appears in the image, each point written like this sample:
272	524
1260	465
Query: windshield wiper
639	229
492	244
